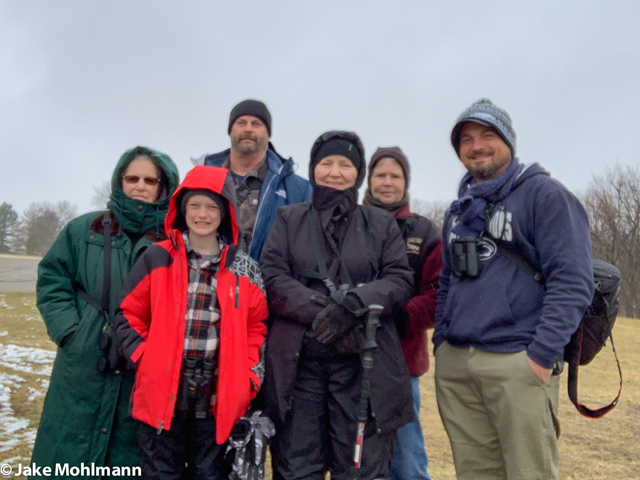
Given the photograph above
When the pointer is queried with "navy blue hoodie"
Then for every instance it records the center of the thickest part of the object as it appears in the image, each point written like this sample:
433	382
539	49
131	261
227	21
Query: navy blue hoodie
504	309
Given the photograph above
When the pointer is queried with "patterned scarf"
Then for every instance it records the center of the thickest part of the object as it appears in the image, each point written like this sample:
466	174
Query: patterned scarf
473	198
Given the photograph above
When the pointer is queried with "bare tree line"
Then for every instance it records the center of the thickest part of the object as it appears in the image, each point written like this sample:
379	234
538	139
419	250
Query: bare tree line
37	227
612	201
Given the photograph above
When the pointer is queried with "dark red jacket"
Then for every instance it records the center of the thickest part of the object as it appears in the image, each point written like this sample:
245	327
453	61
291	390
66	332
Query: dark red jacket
150	326
424	249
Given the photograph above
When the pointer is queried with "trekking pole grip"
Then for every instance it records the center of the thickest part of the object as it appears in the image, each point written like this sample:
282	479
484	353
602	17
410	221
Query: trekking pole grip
373	321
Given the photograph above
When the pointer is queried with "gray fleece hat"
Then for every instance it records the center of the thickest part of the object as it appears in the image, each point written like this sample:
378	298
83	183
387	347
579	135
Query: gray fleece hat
486	113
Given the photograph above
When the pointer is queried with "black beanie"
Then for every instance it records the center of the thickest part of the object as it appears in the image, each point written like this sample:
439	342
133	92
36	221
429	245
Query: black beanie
219	199
251	107
339	146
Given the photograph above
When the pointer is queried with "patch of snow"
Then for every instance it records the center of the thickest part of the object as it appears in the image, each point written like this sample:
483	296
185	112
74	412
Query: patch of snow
33	394
12	430
3	303
2	334
23	359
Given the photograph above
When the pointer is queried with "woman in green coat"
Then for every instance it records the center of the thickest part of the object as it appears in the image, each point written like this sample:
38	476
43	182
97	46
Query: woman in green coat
86	417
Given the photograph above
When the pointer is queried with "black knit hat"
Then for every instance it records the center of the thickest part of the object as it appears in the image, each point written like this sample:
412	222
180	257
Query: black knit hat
331	143
486	113
251	107
338	146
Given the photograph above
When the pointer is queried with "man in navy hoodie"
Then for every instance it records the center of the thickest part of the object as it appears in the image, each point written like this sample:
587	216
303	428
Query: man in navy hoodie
264	180
498	332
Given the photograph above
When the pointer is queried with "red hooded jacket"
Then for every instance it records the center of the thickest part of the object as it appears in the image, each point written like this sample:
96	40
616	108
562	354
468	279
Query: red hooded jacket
150	325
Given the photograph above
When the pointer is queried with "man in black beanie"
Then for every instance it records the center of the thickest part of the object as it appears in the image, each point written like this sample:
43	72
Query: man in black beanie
264	180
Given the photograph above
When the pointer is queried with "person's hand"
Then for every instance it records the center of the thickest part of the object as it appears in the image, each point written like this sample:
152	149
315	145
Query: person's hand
351	342
332	321
540	371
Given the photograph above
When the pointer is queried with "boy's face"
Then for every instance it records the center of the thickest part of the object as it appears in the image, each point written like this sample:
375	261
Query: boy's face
202	216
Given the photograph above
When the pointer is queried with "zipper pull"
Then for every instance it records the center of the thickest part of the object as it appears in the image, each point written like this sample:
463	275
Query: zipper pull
237	291
161	427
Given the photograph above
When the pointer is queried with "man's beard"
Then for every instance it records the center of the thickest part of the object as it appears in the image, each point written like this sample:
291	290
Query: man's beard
486	171
249	148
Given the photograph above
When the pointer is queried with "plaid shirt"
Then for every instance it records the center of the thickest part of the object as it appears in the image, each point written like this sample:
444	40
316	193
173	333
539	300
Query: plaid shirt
202	320
249	189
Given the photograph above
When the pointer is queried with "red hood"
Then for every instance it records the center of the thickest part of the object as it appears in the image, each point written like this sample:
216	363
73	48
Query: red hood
217	180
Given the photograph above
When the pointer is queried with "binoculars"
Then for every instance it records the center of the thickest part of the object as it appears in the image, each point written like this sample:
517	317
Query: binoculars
464	257
196	386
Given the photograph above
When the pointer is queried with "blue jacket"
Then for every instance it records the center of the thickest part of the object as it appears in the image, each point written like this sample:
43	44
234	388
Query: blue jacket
504	309
281	187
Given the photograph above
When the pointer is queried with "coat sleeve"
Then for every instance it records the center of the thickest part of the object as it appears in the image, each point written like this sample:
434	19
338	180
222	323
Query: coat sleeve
134	314
394	285
564	248
256	331
439	325
422	307
287	296
55	293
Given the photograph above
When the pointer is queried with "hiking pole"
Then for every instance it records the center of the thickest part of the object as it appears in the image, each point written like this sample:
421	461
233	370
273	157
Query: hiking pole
373	320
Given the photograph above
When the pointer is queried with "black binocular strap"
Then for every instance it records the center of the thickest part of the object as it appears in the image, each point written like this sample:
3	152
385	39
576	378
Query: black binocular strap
103	305
321	261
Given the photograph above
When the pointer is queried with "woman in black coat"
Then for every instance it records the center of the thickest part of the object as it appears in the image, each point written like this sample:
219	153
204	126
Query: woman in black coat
313	370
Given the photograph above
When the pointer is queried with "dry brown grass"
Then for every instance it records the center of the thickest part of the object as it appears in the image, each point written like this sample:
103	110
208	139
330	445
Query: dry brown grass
605	449
602	449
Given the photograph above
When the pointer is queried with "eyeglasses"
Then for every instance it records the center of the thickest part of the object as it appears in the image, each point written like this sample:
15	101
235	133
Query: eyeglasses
134	179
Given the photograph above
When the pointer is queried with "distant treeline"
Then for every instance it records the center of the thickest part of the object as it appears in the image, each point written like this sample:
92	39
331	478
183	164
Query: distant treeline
612	201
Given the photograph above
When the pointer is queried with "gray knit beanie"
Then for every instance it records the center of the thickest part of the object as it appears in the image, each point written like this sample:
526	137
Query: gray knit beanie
486	113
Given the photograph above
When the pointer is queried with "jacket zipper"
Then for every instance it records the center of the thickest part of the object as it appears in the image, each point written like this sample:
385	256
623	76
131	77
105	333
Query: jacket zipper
161	427
237	291
260	207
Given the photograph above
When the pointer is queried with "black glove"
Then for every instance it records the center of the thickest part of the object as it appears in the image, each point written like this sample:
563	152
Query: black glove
335	319
247	446
351	342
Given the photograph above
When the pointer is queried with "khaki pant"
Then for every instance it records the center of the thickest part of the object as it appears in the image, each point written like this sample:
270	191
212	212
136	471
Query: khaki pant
501	419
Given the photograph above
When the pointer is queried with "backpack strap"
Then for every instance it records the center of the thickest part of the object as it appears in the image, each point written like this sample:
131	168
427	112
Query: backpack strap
519	259
573	386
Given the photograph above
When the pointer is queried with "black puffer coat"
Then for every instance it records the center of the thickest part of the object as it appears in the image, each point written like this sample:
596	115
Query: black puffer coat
290	269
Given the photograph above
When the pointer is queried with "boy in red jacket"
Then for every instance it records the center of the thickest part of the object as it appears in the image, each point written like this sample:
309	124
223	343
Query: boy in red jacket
192	320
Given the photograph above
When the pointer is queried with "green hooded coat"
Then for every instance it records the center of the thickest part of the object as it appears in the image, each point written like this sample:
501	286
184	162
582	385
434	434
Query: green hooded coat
86	417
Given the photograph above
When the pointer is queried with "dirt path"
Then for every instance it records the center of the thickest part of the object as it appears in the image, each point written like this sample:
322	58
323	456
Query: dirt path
18	273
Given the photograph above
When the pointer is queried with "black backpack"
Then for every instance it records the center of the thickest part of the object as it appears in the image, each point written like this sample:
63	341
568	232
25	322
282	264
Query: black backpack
594	329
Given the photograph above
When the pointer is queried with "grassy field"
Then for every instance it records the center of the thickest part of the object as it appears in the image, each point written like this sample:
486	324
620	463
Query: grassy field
605	449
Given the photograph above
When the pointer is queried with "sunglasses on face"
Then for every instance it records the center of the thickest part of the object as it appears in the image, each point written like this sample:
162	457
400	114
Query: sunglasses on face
134	179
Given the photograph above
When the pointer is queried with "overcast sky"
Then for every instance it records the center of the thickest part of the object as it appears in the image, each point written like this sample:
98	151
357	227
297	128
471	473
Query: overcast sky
81	82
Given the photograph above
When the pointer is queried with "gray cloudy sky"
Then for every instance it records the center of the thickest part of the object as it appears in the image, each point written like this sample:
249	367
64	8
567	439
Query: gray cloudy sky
81	82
